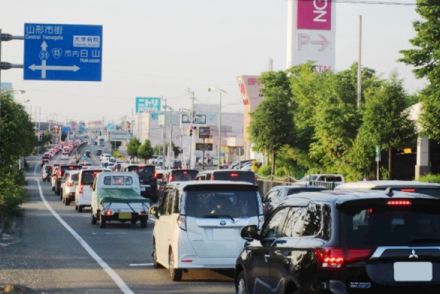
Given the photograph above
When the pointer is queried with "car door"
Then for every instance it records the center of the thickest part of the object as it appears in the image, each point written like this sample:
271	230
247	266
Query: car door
163	227
290	261
258	265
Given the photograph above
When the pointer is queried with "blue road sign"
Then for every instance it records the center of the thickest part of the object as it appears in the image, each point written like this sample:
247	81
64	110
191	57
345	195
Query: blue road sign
147	104
62	52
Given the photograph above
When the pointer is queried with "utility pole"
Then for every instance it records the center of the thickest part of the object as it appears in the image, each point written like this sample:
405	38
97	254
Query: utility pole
359	68
191	120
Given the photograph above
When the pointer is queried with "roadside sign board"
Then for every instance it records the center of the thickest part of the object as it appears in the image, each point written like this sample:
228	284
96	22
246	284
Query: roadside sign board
62	52
204	146
199	119
204	132
119	136
147	104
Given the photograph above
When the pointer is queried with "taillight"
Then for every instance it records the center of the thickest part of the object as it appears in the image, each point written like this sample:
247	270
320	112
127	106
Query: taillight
336	257
81	189
109	212
234	175
397	203
181	221
171	178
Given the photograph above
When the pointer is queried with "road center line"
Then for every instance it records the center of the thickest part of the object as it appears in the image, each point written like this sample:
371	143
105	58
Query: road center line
112	274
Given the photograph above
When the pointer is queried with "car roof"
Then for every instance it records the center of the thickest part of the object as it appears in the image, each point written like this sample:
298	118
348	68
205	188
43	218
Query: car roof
368	185
297	186
340	197
184	184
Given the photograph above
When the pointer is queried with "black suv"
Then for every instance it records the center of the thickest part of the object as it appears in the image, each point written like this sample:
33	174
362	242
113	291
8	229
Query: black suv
344	242
147	179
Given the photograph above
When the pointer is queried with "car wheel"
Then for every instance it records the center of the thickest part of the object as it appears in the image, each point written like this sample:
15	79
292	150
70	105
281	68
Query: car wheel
154	254
67	201
94	219
175	274
144	220
80	208
102	221
240	287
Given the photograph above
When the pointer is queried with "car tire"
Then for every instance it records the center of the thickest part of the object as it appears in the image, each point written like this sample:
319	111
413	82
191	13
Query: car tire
102	221
94	219
144	220
240	287
67	202
80	208
154	255
175	274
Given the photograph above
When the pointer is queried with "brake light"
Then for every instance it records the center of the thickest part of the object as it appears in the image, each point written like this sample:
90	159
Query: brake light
336	257
185	172
181	221
171	178
234	175
81	189
408	190
109	212
397	203
186	260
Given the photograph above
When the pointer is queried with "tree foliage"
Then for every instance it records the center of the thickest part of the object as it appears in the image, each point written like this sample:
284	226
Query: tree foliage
272	122
425	57
145	151
132	147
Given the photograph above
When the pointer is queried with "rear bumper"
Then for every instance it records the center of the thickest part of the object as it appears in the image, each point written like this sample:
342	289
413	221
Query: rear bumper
195	262
339	287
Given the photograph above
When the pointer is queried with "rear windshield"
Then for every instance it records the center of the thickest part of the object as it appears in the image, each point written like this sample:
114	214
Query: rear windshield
183	175
88	176
118	181
426	191
221	203
242	176
390	226
69	167
74	178
145	172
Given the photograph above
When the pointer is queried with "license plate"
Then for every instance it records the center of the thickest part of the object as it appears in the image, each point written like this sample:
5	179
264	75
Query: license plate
125	215
413	271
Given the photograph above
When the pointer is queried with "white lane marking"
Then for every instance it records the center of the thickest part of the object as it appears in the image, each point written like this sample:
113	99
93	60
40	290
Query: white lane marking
141	264
112	274
35	170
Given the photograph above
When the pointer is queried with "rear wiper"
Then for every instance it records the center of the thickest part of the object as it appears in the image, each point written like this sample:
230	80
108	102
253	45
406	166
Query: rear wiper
219	216
424	240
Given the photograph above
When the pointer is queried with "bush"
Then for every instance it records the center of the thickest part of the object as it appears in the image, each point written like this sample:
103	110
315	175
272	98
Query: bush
264	170
431	178
117	154
11	196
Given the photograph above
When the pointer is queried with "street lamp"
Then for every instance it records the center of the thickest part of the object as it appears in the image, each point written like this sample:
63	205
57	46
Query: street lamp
219	126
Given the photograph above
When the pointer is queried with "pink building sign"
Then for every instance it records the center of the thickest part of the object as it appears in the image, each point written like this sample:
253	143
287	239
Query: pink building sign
315	14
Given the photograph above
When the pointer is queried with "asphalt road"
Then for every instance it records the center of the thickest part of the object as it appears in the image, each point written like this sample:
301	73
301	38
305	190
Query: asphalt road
48	258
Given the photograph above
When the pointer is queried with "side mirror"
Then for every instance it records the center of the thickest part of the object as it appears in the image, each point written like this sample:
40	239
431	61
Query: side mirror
154	210
250	233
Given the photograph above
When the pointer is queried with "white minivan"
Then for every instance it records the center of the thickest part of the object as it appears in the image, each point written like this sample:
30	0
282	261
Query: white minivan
83	193
198	224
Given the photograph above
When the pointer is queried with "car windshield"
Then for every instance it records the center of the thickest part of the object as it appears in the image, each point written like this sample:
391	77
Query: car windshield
221	203
387	226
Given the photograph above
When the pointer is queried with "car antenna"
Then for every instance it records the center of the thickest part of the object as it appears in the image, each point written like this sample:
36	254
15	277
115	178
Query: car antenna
389	192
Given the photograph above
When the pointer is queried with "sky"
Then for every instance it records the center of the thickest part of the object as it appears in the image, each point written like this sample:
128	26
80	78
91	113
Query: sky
163	48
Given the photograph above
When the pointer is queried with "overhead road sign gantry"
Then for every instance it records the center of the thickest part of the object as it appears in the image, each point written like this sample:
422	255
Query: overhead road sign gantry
62	52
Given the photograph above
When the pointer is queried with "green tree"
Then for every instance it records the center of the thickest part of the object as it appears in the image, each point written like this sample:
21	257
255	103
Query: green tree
17	136
385	122
425	57
132	147
145	151
272	123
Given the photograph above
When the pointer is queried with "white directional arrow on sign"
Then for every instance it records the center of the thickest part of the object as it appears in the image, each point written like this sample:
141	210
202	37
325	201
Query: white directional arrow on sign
44	46
73	68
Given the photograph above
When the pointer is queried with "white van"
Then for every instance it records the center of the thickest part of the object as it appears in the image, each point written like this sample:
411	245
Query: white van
83	193
198	224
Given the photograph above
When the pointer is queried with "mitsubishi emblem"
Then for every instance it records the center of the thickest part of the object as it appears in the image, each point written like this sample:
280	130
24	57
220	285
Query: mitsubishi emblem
413	255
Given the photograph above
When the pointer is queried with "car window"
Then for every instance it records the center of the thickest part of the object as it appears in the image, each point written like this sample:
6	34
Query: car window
176	202
183	175
304	221
369	227
274	227
214	203
88	176
74	178
165	208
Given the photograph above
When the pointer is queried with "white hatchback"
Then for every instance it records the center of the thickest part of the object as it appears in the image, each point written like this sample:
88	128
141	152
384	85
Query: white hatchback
198	224
83	193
